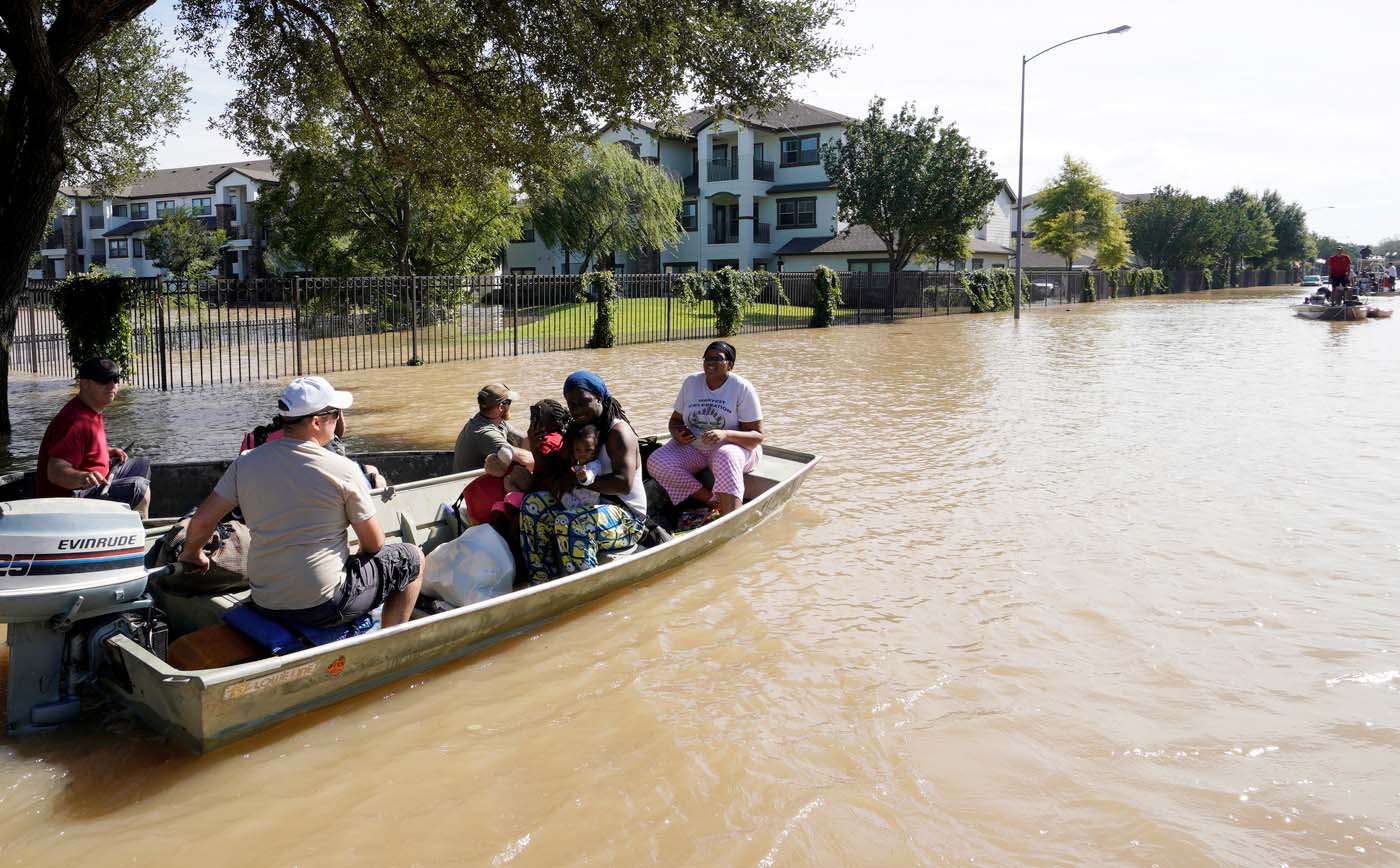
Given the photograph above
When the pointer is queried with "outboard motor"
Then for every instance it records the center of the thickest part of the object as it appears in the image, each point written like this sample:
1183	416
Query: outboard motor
72	575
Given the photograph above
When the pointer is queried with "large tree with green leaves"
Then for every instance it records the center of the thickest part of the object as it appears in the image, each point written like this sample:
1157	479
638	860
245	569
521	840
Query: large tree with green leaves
917	182
1172	229
606	200
183	245
84	99
1244	229
1292	241
1077	214
339	210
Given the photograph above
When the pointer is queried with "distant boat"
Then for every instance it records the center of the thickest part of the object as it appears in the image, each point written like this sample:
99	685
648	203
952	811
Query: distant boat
1333	312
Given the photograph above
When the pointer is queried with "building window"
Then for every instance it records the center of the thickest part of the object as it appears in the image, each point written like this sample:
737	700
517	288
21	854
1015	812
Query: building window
116	248
527	233
801	150
138	248
679	267
95	221
118	210
164	208
797	213
140	211
982	232
868	266
689	216
201	207
976	265
634	148
519	272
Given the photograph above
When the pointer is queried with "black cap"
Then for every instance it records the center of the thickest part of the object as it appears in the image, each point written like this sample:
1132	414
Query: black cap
100	370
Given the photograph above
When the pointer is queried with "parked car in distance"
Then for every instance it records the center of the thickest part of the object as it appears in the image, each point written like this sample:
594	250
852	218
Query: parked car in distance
1312	280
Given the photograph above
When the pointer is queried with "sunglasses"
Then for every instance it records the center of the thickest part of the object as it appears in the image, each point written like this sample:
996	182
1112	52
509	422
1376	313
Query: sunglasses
714	360
506	403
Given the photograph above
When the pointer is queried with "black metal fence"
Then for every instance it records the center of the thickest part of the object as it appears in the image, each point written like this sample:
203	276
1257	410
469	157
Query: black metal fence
199	333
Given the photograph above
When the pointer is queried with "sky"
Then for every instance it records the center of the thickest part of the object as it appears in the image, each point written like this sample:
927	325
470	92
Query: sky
1204	96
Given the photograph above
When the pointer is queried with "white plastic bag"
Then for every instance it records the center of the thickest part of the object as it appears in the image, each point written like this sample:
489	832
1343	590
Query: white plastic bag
473	567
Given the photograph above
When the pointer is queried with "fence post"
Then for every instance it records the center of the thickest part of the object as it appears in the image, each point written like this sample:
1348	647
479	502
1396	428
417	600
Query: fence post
514	314
161	353
412	288
860	295
669	287
33	332
296	320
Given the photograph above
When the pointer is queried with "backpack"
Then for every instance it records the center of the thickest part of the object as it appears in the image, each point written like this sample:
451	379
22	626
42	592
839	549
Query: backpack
228	559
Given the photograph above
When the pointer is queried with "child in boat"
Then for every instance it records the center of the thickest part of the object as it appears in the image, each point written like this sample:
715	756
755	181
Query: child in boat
583	443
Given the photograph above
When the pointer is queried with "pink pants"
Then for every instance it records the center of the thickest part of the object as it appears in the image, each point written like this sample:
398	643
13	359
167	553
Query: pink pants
675	464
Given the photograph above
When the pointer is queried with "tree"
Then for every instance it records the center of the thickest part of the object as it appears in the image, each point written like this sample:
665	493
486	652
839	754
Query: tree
1244	229
339	210
918	183
510	78
1077	189
183	245
85	98
605	200
1172	229
1292	241
1327	245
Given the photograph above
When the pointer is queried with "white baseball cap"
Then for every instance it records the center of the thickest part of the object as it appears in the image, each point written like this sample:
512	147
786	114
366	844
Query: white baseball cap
306	395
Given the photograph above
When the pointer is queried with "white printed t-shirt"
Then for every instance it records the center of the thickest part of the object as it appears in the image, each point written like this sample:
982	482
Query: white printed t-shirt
724	408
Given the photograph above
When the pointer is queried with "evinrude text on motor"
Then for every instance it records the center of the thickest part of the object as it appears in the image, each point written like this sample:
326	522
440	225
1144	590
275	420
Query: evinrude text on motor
72	575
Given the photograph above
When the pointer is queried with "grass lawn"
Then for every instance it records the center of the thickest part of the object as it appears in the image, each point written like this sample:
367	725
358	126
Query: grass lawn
637	316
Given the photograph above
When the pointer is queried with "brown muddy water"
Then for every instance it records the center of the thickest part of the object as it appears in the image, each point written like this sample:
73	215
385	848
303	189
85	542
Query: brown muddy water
1115	585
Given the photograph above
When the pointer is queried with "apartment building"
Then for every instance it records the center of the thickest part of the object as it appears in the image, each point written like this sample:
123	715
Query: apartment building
111	231
755	197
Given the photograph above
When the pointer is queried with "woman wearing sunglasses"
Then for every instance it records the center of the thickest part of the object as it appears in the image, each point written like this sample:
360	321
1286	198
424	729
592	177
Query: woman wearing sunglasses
716	423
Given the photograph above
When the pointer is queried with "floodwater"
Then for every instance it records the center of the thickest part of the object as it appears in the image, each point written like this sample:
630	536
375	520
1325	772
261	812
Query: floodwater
1115	585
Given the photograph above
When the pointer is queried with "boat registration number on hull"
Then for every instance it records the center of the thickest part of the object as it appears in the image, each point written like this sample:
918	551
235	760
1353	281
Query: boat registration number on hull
253	685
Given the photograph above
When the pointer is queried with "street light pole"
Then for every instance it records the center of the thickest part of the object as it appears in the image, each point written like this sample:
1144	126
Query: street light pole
1021	152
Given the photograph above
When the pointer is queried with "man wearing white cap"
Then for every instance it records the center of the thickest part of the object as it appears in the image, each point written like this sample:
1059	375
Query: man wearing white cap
487	431
298	498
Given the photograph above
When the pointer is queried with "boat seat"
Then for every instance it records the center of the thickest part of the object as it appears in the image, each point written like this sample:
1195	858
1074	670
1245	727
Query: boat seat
282	638
188	612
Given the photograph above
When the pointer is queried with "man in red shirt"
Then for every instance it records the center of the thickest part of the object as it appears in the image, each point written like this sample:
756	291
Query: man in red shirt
74	458
1339	272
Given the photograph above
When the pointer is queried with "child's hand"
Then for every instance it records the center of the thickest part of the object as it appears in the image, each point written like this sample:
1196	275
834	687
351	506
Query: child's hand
582	473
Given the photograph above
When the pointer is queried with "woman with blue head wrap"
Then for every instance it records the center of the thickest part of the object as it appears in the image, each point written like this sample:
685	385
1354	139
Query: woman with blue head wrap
558	541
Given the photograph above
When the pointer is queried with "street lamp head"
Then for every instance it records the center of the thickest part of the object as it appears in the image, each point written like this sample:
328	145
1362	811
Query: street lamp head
1121	28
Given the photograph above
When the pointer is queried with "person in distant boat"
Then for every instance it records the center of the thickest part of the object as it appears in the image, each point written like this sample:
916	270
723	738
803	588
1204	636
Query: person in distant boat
1339	273
1390	276
298	498
557	540
716	423
74	458
489	430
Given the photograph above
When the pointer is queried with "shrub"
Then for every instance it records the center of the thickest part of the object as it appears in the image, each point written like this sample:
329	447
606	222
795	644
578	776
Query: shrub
988	290
601	286
826	297
732	293
1113	283
1207	279
95	309
1089	291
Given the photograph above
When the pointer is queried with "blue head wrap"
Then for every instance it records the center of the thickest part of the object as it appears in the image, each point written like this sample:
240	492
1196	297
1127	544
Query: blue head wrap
588	382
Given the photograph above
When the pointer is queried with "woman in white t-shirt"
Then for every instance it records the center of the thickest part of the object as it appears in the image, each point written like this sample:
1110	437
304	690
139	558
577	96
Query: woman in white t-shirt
716	423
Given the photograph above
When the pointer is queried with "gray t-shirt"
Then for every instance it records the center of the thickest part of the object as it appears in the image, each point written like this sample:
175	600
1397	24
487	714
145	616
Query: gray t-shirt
479	438
298	500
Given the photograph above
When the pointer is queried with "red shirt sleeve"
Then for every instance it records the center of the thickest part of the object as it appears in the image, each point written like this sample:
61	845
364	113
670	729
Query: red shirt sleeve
78	436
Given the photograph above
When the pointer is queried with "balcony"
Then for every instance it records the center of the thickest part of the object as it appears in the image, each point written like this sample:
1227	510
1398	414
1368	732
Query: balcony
763	170
97	259
725	234
52	241
722	170
762	232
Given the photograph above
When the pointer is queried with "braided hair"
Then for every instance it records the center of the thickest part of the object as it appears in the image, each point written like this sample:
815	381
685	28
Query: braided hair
549	416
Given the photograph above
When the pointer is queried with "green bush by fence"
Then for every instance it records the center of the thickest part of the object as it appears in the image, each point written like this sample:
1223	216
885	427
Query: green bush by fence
826	297
991	289
95	309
